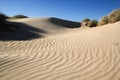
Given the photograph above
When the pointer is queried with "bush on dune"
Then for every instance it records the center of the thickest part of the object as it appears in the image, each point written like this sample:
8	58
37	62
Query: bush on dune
114	16
104	20
19	16
94	23
89	23
86	20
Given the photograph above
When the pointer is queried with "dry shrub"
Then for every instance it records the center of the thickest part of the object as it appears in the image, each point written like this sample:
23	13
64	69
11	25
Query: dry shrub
114	16
104	20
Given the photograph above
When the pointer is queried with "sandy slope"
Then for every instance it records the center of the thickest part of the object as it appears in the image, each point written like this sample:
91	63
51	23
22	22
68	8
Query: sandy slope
76	54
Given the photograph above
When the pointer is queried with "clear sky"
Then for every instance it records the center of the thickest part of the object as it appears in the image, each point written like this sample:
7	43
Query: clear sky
75	10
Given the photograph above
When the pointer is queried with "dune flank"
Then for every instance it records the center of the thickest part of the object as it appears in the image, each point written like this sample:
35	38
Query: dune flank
64	53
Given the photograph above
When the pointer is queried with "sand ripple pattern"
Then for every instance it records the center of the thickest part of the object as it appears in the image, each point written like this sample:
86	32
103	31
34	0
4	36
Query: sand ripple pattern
70	56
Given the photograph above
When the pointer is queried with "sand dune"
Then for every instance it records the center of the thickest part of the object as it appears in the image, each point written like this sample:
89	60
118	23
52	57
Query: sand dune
31	28
49	24
72	54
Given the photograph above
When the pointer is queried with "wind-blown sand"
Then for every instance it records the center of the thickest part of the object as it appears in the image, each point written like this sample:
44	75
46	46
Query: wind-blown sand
63	53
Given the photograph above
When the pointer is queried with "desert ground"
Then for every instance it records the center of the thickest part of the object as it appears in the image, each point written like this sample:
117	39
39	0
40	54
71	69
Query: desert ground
53	49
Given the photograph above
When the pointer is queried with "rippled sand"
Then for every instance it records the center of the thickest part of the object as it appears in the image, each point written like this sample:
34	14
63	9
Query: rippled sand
74	54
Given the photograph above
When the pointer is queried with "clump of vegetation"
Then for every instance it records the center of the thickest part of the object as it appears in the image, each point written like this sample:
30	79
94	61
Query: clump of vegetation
104	20
86	20
19	16
94	23
113	17
89	23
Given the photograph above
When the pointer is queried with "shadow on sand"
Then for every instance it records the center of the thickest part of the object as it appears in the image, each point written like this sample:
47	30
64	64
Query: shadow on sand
65	23
21	31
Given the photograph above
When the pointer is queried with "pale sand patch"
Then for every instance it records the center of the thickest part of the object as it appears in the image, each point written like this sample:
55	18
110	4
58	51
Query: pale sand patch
64	54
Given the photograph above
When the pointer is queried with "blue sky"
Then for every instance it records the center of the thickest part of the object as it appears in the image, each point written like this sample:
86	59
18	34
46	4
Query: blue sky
75	10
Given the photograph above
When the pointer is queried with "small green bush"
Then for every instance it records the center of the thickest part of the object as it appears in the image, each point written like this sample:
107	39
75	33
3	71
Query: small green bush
94	23
89	23
19	16
86	20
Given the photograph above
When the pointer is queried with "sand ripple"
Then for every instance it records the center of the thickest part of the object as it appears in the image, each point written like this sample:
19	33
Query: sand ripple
75	55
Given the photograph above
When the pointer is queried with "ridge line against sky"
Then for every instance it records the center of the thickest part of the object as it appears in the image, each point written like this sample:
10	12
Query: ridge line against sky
75	10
